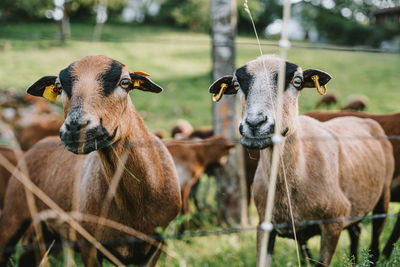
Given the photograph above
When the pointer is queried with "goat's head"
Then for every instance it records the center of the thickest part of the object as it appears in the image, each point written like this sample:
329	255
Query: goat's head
258	81
94	92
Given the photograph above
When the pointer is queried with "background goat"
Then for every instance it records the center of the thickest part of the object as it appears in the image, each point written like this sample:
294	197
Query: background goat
192	157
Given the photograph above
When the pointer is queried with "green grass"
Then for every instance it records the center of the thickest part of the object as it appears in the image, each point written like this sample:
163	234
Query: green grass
181	62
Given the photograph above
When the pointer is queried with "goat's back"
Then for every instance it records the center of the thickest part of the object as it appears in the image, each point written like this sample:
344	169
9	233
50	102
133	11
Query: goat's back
390	124
365	159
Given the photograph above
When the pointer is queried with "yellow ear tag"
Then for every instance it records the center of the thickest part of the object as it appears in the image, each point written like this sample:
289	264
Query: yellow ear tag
137	83
50	93
217	97
142	73
315	79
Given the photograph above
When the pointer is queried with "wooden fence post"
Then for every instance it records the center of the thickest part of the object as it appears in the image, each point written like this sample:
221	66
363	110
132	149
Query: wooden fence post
232	198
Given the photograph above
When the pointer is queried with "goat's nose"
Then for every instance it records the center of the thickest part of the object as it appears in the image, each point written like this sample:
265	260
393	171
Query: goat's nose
76	126
256	120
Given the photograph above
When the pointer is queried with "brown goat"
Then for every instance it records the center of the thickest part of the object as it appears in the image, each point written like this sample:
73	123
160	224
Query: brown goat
334	179
391	125
356	103
192	157
327	100
182	129
99	118
30	135
30	118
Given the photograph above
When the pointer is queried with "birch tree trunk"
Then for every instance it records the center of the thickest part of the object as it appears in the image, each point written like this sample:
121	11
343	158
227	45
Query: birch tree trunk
232	200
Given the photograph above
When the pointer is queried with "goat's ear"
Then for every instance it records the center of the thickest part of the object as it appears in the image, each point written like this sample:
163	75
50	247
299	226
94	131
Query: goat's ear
43	87
216	86
143	83
324	77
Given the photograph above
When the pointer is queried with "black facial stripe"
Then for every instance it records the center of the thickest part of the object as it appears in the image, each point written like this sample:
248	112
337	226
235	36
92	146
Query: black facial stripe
244	79
111	77
66	80
290	71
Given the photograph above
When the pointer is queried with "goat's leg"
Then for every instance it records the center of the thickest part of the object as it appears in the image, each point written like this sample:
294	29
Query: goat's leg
270	247
392	239
28	258
354	233
185	207
330	234
305	254
377	225
87	256
14	221
193	195
154	258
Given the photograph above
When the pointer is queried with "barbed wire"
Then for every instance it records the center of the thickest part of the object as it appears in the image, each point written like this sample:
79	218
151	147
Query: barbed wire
199	141
300	225
198	42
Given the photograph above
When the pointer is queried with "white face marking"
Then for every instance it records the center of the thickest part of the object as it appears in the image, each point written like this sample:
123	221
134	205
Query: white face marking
261	103
119	92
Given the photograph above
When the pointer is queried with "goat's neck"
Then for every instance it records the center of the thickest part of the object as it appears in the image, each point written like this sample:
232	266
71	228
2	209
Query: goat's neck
289	156
132	156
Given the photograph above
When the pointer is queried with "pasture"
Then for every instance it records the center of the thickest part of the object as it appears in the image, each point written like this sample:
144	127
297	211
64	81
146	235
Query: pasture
181	63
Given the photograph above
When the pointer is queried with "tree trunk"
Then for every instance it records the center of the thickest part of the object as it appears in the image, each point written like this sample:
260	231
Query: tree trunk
64	23
232	202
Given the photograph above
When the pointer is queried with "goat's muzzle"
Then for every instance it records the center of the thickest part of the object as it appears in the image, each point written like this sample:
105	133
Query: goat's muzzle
83	141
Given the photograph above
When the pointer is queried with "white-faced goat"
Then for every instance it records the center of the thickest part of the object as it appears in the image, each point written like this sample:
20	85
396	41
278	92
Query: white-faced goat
334	169
101	126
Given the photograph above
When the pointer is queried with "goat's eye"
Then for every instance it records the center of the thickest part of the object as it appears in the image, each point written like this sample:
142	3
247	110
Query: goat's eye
125	83
297	81
58	87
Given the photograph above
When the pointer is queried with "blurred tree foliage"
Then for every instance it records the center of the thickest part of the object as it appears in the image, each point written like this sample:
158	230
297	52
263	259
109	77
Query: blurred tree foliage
347	22
192	14
19	10
344	22
26	9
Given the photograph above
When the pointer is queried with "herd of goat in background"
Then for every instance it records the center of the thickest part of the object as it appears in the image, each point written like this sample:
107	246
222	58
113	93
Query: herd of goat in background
362	175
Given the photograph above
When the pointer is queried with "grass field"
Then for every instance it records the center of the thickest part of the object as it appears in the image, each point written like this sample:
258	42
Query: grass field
181	62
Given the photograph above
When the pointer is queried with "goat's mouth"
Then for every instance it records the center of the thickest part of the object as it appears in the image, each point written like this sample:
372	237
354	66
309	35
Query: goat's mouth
260	143
96	138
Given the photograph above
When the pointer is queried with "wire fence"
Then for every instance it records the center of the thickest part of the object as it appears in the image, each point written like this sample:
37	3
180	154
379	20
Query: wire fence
197	42
206	233
299	225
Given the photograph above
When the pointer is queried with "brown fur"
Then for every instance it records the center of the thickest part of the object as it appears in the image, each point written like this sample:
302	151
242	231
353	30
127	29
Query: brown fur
147	196
355	184
11	156
202	133
182	129
355	104
191	158
34	118
391	125
30	135
327	100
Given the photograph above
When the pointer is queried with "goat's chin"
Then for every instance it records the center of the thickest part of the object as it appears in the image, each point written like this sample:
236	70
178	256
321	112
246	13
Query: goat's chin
91	145
256	143
87	147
